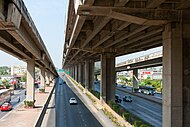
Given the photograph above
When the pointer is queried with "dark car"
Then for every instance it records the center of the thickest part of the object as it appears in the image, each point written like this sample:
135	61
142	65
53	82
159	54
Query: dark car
117	99
123	86
127	98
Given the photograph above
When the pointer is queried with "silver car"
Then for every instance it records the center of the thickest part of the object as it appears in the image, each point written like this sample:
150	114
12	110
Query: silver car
72	101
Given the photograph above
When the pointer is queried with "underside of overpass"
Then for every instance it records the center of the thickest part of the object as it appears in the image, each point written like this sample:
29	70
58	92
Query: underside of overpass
103	29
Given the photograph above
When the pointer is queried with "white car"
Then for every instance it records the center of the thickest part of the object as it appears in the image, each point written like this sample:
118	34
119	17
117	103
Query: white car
73	101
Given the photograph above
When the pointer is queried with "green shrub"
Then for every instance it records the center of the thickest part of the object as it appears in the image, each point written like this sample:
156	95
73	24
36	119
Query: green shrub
116	108
126	116
29	104
42	90
111	103
144	125
137	123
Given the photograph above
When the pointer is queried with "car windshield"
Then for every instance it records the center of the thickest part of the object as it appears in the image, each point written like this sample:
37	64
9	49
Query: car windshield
73	99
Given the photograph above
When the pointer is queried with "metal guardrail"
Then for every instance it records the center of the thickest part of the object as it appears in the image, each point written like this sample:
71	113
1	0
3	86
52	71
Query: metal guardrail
41	117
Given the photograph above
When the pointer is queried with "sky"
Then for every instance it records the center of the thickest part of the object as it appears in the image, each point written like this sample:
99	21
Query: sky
50	18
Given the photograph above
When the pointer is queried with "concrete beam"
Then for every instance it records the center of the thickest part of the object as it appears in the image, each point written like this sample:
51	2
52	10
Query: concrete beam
127	36
120	3
154	3
7	40
101	23
97	29
150	33
22	36
2	17
185	4
111	34
14	16
140	16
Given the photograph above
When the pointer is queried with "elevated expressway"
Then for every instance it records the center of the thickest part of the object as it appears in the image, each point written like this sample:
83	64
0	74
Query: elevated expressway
20	38
103	29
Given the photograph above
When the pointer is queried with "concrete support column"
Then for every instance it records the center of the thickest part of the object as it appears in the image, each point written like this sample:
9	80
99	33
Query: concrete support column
186	75
47	78
42	78
89	74
91	67
80	73
76	72
107	84
172	76
30	95
72	72
83	73
135	79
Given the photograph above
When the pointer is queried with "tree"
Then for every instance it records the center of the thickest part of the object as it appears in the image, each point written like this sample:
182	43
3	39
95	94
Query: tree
147	81
23	79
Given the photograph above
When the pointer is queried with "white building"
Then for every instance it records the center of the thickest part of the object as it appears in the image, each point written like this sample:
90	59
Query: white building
18	70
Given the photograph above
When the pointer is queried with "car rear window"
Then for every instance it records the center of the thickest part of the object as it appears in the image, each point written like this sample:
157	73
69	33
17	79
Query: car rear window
5	104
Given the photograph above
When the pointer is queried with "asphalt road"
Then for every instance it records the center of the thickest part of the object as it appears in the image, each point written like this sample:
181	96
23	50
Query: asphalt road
71	115
149	111
14	101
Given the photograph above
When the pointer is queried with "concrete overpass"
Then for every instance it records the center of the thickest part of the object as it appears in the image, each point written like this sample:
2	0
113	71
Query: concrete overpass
102	30
20	38
151	60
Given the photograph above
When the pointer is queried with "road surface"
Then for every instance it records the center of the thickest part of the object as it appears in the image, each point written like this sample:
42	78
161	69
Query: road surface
71	115
14	100
147	110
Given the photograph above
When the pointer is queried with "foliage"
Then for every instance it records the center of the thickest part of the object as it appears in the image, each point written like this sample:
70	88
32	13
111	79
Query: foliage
4	70
23	79
147	81
29	104
47	84
155	83
83	85
42	90
5	83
